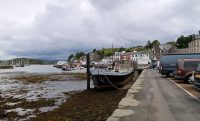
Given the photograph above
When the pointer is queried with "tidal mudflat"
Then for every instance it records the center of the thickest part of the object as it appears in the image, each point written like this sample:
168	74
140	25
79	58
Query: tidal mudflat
25	95
54	97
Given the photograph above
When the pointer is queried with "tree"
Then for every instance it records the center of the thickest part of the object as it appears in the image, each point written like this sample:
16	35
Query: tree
94	50
171	42
128	50
155	43
108	53
148	45
121	49
100	53
182	42
79	54
70	57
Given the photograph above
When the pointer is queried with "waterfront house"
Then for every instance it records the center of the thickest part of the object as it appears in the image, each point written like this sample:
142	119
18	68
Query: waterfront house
161	49
94	57
194	45
126	57
83	60
107	60
180	51
117	56
141	58
75	64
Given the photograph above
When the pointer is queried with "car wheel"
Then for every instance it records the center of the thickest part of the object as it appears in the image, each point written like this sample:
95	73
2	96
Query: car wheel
170	74
190	79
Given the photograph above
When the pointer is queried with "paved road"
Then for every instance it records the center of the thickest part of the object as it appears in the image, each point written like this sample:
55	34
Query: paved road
162	100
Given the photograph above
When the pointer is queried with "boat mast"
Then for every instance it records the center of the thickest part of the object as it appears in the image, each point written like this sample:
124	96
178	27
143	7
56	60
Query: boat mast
113	62
112	52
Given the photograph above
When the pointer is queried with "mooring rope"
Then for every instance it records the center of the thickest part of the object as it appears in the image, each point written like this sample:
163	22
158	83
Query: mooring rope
112	83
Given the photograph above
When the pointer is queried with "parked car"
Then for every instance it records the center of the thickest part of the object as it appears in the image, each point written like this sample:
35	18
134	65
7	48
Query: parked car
168	62
185	68
196	83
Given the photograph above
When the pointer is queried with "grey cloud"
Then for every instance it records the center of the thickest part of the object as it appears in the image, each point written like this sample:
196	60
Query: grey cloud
81	25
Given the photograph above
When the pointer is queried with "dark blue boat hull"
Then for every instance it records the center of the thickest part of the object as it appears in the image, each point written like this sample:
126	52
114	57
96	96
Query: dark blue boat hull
108	80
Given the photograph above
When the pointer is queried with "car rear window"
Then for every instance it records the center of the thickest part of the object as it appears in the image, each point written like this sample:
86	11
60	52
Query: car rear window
191	64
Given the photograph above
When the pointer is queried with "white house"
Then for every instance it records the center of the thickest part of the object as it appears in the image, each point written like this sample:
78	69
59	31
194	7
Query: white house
107	60
142	58
117	56
83	60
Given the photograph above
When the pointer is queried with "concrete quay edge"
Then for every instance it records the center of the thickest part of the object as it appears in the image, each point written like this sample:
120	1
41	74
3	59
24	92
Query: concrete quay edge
128	101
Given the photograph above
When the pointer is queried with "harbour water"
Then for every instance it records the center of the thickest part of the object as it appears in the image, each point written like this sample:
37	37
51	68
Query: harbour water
33	69
53	88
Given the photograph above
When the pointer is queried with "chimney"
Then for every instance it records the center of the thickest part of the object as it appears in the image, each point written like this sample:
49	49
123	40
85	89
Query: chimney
199	31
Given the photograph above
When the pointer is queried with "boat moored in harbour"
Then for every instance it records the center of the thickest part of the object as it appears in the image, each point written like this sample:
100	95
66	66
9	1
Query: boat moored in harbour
103	78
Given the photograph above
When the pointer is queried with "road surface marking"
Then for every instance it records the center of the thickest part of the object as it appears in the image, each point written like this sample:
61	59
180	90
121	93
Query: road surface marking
184	90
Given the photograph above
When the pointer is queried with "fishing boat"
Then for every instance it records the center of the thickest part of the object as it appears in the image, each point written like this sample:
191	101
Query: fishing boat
103	78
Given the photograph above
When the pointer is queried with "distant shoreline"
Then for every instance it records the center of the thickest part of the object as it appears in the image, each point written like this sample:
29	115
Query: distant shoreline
6	67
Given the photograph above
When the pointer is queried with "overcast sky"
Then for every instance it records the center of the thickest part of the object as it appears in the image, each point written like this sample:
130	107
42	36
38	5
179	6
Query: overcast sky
54	29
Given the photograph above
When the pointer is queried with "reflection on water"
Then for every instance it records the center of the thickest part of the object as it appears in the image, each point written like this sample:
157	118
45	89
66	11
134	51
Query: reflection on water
47	89
34	69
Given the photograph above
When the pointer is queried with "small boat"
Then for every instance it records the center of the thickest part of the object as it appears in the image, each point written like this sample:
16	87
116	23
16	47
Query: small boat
19	65
66	68
60	64
103	78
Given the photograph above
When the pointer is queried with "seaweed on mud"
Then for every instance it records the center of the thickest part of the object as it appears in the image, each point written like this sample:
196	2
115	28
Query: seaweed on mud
36	104
23	105
38	78
89	105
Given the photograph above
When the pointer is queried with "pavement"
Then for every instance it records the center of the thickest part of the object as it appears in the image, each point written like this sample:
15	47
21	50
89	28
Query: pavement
155	98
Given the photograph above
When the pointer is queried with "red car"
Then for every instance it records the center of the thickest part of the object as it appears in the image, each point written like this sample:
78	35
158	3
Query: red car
185	68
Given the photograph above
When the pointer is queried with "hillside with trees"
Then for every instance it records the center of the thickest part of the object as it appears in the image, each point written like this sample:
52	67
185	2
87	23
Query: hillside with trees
180	42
